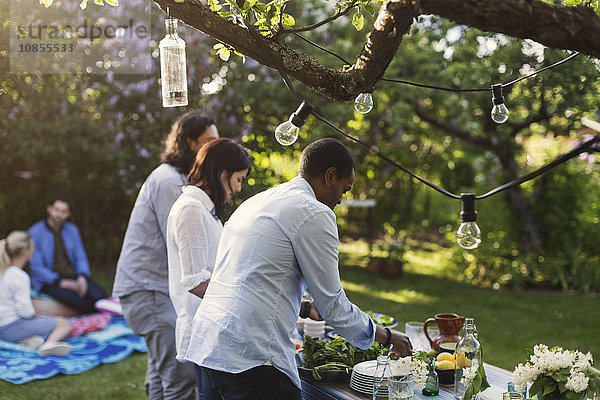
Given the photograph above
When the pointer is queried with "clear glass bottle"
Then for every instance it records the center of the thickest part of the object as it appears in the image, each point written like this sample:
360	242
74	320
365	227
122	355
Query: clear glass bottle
467	355
380	378
173	74
432	383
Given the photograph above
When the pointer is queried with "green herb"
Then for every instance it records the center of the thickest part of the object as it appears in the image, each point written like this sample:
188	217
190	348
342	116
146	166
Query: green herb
320	355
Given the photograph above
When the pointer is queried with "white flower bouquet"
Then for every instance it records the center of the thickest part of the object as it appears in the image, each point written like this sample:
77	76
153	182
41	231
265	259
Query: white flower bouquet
417	365
557	374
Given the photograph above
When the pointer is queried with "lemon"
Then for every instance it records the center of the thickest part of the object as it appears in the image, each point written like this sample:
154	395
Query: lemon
446	364
462	361
445	357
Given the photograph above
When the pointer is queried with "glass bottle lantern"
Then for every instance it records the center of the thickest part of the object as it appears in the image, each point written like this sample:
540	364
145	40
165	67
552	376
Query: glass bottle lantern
173	73
467	355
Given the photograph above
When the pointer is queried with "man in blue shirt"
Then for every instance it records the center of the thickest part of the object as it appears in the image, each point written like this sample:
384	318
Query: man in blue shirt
59	266
275	245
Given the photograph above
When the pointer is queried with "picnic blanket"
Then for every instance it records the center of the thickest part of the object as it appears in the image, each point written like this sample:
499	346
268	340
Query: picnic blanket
19	364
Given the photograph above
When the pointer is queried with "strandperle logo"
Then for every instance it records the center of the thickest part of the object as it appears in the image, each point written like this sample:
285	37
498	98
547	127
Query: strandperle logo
88	29
63	38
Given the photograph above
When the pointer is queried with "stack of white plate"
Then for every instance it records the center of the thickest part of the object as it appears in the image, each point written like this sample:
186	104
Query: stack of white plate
362	378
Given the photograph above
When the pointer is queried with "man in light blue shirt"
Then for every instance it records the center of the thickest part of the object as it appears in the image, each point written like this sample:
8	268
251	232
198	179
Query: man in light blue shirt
274	246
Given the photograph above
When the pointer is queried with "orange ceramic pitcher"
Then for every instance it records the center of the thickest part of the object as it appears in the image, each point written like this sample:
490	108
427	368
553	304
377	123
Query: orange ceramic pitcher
449	324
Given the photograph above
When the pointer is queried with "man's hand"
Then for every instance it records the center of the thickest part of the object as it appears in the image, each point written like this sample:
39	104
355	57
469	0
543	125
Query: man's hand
82	286
79	286
69	284
309	310
401	342
402	346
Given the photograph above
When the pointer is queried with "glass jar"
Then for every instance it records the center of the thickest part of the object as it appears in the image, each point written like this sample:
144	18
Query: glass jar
382	373
467	355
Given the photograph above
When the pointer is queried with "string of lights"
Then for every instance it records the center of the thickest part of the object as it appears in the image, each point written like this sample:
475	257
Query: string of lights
468	234
499	114
442	88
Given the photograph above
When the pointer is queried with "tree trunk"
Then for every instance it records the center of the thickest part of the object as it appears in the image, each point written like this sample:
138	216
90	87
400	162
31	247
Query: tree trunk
527	225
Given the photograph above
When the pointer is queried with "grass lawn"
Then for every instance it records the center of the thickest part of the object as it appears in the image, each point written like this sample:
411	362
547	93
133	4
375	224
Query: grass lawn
507	322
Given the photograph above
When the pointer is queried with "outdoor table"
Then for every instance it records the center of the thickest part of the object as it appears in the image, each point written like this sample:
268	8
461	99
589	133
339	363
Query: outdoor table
498	379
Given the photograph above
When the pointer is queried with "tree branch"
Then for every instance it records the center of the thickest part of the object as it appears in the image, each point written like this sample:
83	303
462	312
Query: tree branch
573	28
325	21
569	28
453	129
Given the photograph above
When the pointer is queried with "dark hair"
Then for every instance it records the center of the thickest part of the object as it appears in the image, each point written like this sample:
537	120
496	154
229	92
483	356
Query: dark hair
177	150
213	158
60	197
319	156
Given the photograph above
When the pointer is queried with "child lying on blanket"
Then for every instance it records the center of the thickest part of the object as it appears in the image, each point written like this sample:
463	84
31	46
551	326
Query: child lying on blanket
18	322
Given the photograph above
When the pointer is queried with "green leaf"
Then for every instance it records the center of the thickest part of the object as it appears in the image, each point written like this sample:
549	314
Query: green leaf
484	382
536	387
358	21
288	21
214	5
468	393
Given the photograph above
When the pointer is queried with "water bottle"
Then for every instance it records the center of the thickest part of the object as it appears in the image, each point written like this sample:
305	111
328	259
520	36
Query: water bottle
466	355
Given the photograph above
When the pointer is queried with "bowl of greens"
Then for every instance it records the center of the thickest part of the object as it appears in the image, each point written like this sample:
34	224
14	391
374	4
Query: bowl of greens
332	361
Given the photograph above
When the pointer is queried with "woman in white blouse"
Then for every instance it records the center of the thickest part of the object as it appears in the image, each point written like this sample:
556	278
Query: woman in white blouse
193	230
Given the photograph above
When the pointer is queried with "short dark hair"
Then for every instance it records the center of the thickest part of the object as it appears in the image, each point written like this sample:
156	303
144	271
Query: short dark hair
177	150
323	154
61	197
213	158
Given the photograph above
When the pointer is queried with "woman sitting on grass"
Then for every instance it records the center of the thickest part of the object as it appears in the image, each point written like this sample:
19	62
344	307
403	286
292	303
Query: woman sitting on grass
18	322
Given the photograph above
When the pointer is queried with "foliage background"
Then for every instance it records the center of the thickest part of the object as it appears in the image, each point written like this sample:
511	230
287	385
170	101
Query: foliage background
97	137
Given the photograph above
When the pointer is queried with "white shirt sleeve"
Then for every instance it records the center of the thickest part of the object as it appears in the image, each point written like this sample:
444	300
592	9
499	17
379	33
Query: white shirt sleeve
316	248
193	241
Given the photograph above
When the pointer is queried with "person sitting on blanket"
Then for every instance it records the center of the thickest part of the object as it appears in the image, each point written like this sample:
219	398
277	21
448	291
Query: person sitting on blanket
59	266
18	322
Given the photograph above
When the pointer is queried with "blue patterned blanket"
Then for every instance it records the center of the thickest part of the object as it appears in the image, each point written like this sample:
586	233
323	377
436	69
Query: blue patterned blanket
18	364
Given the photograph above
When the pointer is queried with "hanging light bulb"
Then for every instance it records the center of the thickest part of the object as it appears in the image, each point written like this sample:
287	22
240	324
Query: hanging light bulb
468	235
287	132
363	103
173	75
499	111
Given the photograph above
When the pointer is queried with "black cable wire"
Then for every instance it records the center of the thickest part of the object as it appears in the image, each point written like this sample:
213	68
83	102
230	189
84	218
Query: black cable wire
447	89
371	149
564	60
582	148
322	48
